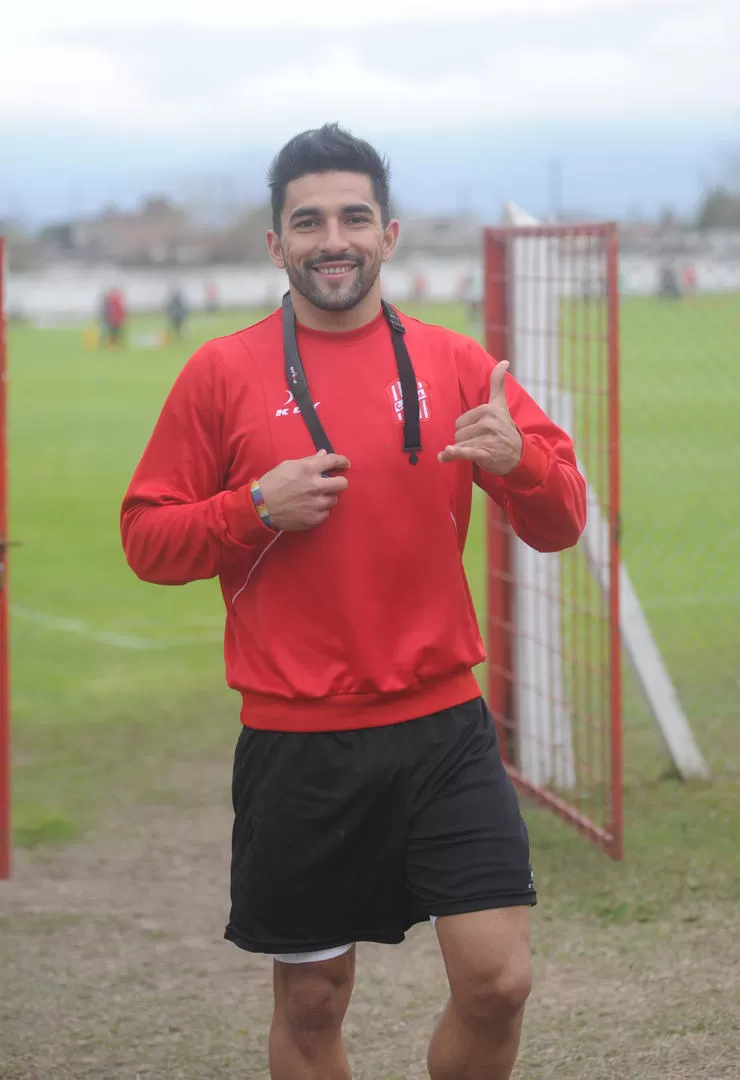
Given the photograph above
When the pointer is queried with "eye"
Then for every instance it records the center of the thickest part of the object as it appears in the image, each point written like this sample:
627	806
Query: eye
358	219
305	223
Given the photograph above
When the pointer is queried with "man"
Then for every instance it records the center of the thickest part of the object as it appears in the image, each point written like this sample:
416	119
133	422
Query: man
368	790
112	315
176	311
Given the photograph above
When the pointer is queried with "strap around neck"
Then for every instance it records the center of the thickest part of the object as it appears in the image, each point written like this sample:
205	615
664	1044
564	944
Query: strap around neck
298	384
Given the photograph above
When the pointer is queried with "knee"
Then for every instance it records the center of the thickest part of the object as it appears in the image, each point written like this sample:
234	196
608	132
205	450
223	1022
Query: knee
485	995
313	1003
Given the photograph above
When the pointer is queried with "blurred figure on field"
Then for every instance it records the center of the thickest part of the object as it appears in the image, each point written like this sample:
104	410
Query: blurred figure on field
668	287
176	311
104	332
465	287
419	289
211	297
688	279
470	293
112	318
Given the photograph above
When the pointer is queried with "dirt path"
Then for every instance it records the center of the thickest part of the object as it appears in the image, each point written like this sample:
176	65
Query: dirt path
113	967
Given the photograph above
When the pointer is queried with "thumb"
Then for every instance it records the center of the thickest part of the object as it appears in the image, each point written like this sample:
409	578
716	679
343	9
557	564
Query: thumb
498	376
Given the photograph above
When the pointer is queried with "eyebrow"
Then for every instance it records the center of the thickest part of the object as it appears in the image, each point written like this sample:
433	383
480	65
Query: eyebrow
315	211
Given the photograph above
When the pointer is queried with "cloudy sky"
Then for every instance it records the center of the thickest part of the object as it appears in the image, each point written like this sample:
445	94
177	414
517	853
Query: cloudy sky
178	66
639	98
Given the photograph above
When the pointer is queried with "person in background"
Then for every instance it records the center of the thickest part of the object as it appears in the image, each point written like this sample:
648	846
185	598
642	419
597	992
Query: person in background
419	288
112	314
668	285
469	293
176	311
212	303
104	333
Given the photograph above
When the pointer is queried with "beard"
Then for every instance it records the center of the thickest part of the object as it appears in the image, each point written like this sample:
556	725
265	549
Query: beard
328	295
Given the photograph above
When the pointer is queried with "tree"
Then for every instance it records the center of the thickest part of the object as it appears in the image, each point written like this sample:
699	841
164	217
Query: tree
719	209
243	239
19	245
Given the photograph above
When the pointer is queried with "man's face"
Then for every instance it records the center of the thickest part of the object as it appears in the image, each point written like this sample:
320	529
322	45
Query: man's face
332	242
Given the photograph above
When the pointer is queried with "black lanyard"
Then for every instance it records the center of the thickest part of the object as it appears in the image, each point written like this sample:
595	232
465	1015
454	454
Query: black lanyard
298	384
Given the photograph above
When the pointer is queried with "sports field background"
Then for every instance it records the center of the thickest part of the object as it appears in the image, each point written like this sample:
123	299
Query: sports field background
119	700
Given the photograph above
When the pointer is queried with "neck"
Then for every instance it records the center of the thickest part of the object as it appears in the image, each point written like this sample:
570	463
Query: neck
336	322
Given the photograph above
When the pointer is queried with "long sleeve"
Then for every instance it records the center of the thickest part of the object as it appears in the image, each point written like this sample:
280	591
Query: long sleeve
544	496
178	523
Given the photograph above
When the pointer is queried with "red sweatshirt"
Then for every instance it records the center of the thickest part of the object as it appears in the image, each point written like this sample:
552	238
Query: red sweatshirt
366	619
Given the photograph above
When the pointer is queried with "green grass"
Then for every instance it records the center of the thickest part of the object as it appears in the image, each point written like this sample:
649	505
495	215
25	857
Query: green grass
681	462
99	723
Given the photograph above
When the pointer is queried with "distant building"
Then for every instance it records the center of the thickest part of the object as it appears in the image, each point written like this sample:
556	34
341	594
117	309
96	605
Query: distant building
159	233
440	234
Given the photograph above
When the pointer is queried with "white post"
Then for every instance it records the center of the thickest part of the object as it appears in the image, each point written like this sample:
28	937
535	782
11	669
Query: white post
544	724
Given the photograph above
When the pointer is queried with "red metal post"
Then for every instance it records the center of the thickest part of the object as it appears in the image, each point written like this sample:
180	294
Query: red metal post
615	642
4	688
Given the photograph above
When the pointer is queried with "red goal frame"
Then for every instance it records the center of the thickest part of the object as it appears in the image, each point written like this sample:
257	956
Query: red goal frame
5	824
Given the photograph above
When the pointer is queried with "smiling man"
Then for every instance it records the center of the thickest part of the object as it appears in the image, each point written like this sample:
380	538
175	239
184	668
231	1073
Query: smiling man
321	464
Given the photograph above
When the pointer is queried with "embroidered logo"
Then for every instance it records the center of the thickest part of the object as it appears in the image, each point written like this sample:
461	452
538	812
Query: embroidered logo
290	408
396	395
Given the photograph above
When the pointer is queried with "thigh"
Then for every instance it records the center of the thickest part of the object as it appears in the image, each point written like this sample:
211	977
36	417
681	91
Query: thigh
487	955
468	847
302	990
317	854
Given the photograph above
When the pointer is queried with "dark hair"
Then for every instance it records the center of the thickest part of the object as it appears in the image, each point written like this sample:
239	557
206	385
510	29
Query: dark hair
327	149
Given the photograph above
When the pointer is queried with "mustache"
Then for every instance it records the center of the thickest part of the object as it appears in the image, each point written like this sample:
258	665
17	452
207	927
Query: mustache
344	257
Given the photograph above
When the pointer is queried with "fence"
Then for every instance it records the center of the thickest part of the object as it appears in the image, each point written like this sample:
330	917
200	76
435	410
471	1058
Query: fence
555	623
680	417
553	619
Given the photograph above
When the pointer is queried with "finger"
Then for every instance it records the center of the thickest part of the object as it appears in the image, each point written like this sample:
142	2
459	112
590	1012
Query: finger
332	485
464	453
487	428
328	501
498	378
325	463
473	415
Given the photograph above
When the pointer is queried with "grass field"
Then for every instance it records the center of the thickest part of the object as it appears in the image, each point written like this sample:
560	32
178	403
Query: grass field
123	730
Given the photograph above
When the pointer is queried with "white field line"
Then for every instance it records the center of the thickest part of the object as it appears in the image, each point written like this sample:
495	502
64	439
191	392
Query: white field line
145	644
108	637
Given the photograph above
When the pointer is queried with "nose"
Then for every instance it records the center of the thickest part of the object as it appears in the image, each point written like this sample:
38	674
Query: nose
334	241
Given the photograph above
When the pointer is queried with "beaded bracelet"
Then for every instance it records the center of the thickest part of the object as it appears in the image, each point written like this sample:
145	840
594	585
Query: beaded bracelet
259	502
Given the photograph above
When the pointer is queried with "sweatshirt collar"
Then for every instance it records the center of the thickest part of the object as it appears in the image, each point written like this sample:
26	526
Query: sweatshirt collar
342	337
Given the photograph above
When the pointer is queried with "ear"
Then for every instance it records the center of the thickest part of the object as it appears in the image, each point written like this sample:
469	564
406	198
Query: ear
275	247
390	239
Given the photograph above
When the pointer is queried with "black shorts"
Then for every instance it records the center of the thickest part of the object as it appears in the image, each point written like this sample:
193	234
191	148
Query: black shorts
357	835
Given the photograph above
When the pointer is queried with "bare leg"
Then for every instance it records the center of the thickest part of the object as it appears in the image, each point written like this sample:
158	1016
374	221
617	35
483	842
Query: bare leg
306	1033
487	958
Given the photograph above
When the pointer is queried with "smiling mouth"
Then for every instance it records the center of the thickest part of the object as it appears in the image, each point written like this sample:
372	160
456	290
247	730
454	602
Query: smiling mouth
334	269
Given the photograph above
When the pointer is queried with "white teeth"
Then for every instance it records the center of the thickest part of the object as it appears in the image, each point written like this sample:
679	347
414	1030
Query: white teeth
334	269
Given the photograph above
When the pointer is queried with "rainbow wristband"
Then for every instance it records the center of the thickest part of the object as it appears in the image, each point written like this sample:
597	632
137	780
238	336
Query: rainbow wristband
259	502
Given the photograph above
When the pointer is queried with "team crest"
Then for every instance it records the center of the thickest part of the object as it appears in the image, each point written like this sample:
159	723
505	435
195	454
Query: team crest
396	395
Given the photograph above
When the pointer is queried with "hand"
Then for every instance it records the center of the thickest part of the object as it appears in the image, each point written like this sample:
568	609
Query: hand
296	494
487	435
